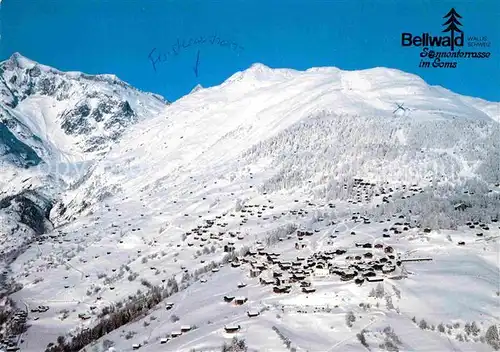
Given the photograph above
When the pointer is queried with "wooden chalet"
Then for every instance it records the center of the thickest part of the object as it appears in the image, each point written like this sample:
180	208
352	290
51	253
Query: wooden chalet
282	280
277	274
305	284
308	289
185	328
359	281
272	260
266	281
282	289
228	298
348	274
175	334
231	329
285	265
260	266
298	276
253	313
240	301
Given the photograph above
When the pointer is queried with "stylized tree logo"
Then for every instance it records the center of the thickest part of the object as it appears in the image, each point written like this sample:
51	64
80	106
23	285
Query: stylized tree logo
452	24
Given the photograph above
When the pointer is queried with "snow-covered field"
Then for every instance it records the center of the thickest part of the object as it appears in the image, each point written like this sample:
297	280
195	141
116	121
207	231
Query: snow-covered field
192	206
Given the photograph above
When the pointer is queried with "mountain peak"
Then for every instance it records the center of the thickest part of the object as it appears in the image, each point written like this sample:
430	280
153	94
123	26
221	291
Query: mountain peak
20	61
259	72
258	67
196	88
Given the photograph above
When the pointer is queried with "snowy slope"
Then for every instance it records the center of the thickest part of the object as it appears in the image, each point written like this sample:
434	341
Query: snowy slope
293	127
265	154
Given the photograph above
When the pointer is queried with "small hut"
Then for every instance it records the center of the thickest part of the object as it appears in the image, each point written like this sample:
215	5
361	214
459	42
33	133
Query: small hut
359	281
308	289
281	289
228	298
253	313
185	328
231	329
175	334
240	300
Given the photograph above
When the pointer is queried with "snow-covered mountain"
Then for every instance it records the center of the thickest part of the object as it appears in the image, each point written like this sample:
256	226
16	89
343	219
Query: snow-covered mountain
53	127
163	243
64	118
292	127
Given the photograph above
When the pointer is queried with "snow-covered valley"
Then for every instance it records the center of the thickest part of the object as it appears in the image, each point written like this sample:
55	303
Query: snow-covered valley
318	210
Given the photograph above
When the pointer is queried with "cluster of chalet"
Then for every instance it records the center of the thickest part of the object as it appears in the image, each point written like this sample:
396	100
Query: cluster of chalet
369	263
284	273
200	235
366	191
363	191
365	266
482	226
